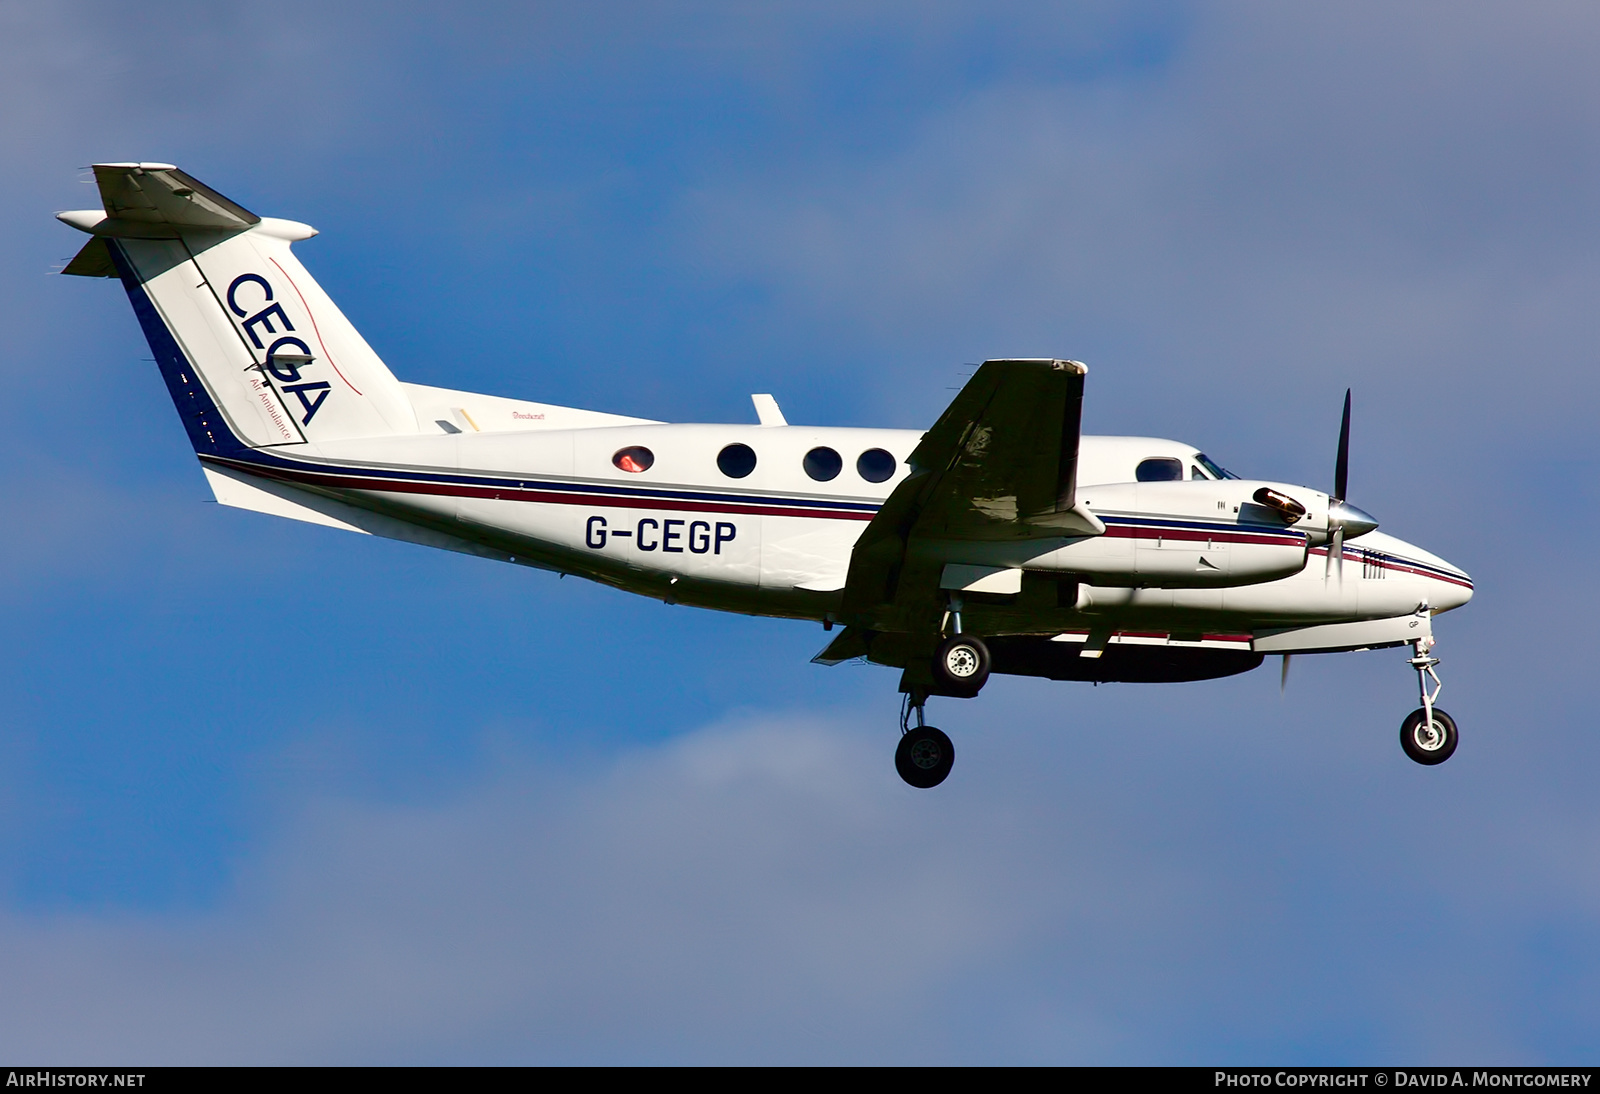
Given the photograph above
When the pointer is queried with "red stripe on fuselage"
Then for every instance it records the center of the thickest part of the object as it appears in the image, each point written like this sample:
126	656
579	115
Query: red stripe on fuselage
1168	636
347	481
1195	535
549	497
1398	566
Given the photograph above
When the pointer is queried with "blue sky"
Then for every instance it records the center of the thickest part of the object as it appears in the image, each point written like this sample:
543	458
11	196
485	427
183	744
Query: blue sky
273	793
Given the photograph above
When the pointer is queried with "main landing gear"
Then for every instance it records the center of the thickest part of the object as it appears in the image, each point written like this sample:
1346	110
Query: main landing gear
1428	734
960	668
925	755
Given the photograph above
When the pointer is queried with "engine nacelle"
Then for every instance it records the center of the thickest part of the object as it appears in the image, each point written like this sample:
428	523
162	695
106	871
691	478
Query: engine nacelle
1185	535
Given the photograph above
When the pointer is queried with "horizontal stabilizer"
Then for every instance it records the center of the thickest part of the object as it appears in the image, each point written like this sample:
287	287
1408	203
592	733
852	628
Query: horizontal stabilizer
160	193
156	200
93	261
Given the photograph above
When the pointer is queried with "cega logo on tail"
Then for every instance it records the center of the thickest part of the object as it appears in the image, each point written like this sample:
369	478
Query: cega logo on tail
287	355
253	350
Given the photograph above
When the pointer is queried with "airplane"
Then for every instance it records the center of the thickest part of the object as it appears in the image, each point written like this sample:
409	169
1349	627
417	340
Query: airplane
1000	540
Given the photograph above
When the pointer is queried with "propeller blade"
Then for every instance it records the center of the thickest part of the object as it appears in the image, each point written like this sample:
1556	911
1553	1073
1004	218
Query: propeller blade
1283	678
1341	467
1336	556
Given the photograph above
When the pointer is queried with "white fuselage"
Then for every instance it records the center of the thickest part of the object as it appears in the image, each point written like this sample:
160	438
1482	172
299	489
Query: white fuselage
514	481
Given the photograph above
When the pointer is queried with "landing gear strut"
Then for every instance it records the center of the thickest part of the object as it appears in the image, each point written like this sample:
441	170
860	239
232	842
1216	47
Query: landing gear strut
959	669
1428	734
925	755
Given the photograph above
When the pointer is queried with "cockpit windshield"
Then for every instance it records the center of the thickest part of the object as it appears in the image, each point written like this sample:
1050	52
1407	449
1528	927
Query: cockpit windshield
1216	470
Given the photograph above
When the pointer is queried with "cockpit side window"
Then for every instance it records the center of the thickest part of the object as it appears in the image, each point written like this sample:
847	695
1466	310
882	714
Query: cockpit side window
1195	474
1216	469
1159	469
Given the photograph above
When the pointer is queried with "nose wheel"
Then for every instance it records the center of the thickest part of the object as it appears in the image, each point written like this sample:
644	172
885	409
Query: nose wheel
1428	734
1428	741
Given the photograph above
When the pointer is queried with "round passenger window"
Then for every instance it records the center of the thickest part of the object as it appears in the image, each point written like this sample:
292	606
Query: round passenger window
823	464
1159	469
635	458
875	465
736	461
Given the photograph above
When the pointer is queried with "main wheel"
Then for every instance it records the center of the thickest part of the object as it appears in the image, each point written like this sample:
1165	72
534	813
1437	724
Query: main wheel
1428	746
961	664
925	757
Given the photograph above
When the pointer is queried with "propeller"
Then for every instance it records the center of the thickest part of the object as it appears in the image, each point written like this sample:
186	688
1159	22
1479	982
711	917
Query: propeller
1341	466
1343	518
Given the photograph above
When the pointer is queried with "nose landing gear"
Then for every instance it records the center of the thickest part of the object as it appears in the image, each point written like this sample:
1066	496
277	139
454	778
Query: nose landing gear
1428	734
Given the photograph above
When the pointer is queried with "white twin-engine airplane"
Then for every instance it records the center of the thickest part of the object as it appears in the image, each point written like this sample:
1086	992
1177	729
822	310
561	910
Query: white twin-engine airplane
998	541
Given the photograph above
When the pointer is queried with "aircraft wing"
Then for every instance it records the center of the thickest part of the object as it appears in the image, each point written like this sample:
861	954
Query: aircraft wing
1000	464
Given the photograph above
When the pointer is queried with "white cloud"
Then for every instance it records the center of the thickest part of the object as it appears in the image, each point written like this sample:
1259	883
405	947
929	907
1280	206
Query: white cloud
769	892
738	881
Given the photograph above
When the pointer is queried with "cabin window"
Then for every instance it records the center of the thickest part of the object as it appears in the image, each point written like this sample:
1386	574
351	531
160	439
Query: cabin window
736	461
635	459
1159	469
875	465
823	464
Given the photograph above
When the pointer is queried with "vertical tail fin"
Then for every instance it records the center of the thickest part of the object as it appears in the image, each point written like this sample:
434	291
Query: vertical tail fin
254	353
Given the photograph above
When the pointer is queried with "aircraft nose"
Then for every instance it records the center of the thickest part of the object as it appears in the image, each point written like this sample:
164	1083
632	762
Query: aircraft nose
1355	522
1449	594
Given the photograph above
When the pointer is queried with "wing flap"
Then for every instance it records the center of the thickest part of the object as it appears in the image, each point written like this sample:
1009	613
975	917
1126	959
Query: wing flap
847	645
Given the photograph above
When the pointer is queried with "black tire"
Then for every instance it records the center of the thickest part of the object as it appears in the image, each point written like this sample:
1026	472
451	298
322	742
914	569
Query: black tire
1416	740
925	757
961	665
